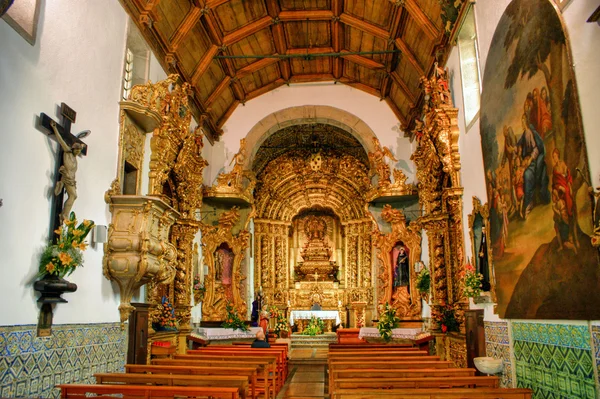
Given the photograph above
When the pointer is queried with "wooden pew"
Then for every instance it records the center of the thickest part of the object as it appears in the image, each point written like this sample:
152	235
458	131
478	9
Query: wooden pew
266	367
335	366
281	352
405	373
249	372
230	381
443	393
82	391
276	366
366	346
419	382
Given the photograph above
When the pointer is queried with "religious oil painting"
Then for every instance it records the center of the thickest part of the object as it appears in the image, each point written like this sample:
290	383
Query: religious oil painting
223	264
401	266
536	169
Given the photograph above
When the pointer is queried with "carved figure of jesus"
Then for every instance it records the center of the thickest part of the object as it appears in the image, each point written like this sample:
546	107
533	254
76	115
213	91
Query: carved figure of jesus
67	171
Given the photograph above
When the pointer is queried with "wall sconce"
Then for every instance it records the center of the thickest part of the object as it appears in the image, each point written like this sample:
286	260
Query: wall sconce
99	234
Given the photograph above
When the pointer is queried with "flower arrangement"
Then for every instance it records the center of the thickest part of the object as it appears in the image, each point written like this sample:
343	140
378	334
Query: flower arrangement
315	326
198	289
423	281
166	318
281	323
61	259
446	318
472	281
388	320
232	320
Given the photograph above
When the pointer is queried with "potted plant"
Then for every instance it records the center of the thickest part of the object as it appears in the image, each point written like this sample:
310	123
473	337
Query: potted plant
315	326
232	320
61	259
388	320
166	318
472	282
446	318
281	324
424	283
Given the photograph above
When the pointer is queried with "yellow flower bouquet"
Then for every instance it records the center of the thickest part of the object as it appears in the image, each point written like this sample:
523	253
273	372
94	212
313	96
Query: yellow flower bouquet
61	259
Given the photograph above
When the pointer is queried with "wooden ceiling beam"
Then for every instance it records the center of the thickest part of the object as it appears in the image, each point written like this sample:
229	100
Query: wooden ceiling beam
184	28
255	66
390	60
410	56
364	26
215	3
337	37
396	111
218	91
386	85
364	61
212	28
204	63
265	89
273	8
247	30
312	77
280	44
422	19
238	90
404	88
312	15
313	50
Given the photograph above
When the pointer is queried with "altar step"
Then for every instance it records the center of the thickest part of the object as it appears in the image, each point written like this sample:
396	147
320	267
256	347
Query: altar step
321	341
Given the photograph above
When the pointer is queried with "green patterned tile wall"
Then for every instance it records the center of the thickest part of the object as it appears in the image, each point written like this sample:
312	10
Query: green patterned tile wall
555	360
596	348
31	366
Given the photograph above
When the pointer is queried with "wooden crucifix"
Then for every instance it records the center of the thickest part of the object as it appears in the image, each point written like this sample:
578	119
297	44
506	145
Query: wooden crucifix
70	147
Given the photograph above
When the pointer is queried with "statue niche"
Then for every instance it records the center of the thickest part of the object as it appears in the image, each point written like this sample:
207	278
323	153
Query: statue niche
316	252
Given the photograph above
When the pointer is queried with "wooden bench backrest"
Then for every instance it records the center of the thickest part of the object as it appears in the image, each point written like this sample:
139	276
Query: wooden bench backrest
334	346
390	352
404	373
182	370
388	364
443	393
419	382
146	391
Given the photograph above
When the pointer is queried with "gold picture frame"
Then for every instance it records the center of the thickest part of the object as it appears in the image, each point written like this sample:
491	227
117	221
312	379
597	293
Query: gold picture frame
479	228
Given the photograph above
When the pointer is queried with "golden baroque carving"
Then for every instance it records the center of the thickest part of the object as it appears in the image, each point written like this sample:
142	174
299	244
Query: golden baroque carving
188	171
138	249
408	305
238	183
218	294
379	166
168	139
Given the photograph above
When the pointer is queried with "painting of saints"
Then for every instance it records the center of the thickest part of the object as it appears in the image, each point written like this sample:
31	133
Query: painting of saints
223	264
536	170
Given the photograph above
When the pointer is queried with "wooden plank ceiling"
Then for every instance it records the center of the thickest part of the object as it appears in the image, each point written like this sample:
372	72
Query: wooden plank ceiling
190	36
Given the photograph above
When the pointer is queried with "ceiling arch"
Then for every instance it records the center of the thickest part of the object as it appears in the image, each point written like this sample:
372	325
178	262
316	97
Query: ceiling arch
232	51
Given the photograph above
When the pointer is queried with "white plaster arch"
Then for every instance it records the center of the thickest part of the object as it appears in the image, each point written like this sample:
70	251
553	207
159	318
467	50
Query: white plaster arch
307	114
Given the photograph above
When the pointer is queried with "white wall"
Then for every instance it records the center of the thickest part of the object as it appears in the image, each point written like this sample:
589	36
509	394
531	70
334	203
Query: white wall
583	38
77	59
375	113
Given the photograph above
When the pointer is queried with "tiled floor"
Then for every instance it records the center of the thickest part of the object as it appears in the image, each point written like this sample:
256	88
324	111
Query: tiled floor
305	381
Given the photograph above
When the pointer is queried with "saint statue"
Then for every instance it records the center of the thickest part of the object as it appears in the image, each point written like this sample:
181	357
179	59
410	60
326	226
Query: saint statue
484	268
402	269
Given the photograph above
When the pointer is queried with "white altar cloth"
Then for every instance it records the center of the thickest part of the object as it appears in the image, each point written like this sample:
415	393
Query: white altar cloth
216	334
397	333
322	314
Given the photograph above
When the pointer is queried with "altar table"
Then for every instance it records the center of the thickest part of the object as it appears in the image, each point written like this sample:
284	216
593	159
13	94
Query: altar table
224	334
416	336
307	314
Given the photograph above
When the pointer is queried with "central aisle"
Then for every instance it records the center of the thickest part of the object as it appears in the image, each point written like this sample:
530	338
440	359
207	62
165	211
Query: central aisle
305	381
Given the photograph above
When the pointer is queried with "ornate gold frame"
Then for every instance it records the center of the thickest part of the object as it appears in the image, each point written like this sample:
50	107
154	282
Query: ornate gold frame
484	212
213	305
406	306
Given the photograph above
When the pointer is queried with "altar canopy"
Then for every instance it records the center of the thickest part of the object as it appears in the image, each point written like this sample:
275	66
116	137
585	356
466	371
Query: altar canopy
307	314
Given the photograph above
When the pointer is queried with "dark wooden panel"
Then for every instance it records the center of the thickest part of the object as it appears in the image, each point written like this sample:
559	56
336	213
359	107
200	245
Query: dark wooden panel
363	75
319	34
170	14
289	5
376	12
210	80
357	40
418	42
137	344
260	78
236	14
221	104
260	43
193	47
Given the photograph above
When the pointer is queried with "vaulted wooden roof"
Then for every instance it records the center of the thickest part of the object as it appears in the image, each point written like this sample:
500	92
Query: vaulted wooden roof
385	46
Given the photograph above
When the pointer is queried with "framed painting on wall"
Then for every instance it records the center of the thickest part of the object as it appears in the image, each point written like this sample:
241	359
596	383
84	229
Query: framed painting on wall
536	169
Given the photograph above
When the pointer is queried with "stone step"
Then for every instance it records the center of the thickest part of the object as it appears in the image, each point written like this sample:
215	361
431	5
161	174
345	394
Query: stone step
313	341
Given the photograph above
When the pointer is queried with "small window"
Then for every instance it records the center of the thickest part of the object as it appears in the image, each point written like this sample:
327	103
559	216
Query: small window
137	58
469	67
